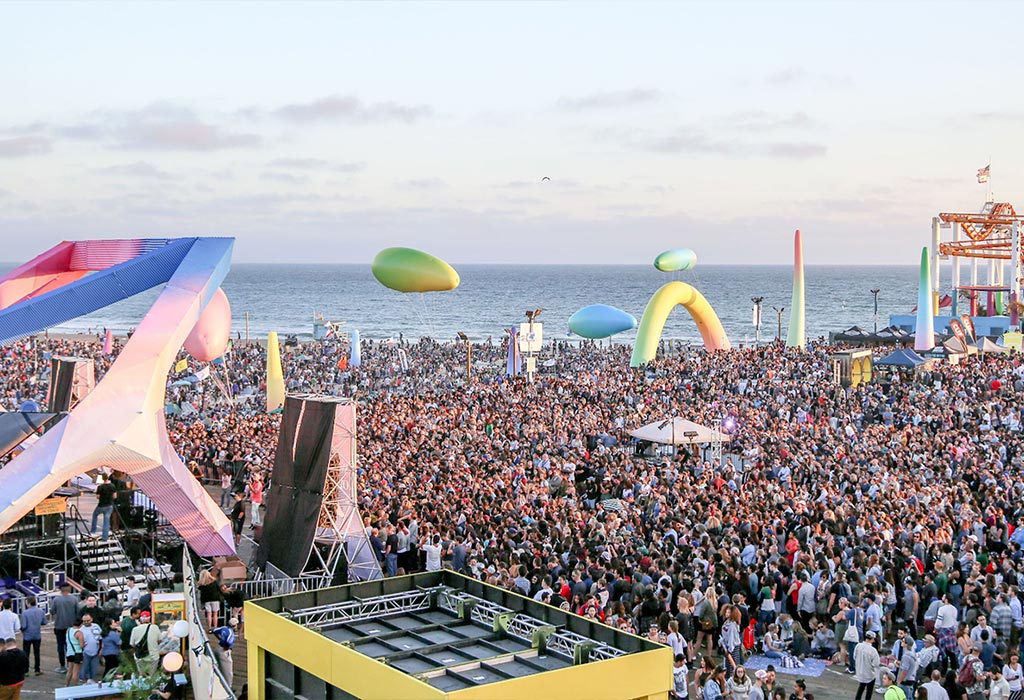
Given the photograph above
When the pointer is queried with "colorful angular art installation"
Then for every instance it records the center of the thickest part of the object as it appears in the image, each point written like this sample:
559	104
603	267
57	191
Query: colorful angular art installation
924	335
120	424
797	337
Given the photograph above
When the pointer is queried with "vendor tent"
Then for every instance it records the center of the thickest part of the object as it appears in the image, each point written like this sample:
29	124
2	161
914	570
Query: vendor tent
955	345
985	345
677	431
901	358
854	334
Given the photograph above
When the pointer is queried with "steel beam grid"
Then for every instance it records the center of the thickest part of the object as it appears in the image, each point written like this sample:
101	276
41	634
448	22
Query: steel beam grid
357	610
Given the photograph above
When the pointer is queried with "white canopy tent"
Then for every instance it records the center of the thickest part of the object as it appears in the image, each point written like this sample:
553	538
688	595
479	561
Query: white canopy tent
677	431
985	345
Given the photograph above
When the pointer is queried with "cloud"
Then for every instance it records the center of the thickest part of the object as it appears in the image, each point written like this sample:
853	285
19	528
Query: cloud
348	109
286	178
689	140
794	77
424	183
139	168
608	100
760	120
161	126
22	146
317	164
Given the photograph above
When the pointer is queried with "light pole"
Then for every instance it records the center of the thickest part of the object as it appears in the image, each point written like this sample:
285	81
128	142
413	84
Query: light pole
757	318
778	312
875	293
469	357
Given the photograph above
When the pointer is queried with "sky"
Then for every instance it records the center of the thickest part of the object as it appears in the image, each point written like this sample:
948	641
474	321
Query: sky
324	132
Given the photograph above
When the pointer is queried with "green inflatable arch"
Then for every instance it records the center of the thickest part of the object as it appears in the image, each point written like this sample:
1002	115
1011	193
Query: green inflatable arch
658	308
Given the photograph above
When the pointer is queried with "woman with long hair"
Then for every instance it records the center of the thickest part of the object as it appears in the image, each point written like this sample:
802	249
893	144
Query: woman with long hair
706	613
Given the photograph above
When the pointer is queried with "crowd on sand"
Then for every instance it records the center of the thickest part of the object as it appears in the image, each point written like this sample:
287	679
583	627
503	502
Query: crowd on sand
874	527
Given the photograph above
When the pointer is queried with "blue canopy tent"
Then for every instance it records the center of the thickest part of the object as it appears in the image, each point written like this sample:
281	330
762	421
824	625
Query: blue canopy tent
907	359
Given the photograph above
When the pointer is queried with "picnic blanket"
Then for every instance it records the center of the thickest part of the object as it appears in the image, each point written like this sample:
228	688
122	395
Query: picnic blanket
811	668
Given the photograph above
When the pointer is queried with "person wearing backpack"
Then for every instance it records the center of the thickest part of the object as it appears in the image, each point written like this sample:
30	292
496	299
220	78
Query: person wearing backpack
226	637
972	675
145	643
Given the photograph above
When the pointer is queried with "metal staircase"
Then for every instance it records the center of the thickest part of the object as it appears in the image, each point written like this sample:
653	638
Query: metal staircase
103	560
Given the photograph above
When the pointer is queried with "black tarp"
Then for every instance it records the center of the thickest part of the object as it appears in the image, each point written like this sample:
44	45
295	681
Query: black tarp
297	483
16	426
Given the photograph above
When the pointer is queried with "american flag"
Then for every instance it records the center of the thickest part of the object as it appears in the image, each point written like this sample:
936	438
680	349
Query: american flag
983	173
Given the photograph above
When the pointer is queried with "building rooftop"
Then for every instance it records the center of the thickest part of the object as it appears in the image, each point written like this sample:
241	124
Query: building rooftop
454	633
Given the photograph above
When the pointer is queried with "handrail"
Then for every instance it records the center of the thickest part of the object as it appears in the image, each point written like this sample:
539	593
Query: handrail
197	620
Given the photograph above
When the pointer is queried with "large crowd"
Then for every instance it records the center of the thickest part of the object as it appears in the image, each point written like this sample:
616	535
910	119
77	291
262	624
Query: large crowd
842	521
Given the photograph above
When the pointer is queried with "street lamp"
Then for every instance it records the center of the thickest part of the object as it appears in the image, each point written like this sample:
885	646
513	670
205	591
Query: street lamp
469	357
778	312
757	318
875	293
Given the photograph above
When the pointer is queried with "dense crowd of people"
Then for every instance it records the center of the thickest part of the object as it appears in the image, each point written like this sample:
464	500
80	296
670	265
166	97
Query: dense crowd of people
842	522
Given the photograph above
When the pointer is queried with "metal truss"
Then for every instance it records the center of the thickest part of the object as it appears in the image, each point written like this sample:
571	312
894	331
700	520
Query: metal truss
358	609
716	442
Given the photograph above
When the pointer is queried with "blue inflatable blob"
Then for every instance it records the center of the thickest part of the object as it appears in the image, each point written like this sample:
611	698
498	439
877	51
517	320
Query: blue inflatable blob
676	260
600	321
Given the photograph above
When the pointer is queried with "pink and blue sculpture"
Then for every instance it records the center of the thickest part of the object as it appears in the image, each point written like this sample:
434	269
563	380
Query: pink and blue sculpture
120	424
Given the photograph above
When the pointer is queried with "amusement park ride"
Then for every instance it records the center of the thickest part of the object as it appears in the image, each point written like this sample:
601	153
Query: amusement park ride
993	234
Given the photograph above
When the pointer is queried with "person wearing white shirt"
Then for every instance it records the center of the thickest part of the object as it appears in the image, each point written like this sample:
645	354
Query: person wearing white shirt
1013	673
934	687
946	617
998	688
10	623
132	594
433	552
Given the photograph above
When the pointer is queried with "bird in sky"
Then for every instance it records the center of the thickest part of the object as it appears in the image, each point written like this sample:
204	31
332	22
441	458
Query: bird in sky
545	178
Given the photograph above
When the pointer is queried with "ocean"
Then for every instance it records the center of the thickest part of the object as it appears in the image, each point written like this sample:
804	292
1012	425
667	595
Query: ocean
284	298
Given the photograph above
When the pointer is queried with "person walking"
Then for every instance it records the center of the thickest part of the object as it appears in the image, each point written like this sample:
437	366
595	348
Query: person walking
63	611
13	669
866	664
105	495
226	637
32	621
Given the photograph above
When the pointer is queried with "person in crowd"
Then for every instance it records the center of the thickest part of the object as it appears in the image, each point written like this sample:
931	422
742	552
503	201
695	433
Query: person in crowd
63	612
32	621
74	645
110	646
226	636
933	688
680	682
92	639
13	669
891	690
10	623
738	684
145	644
866	664
105	495
209	597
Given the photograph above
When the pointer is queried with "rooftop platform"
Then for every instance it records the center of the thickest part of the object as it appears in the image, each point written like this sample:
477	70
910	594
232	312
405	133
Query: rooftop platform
440	635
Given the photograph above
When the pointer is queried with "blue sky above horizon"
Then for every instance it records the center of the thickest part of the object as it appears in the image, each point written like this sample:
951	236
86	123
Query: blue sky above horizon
323	132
